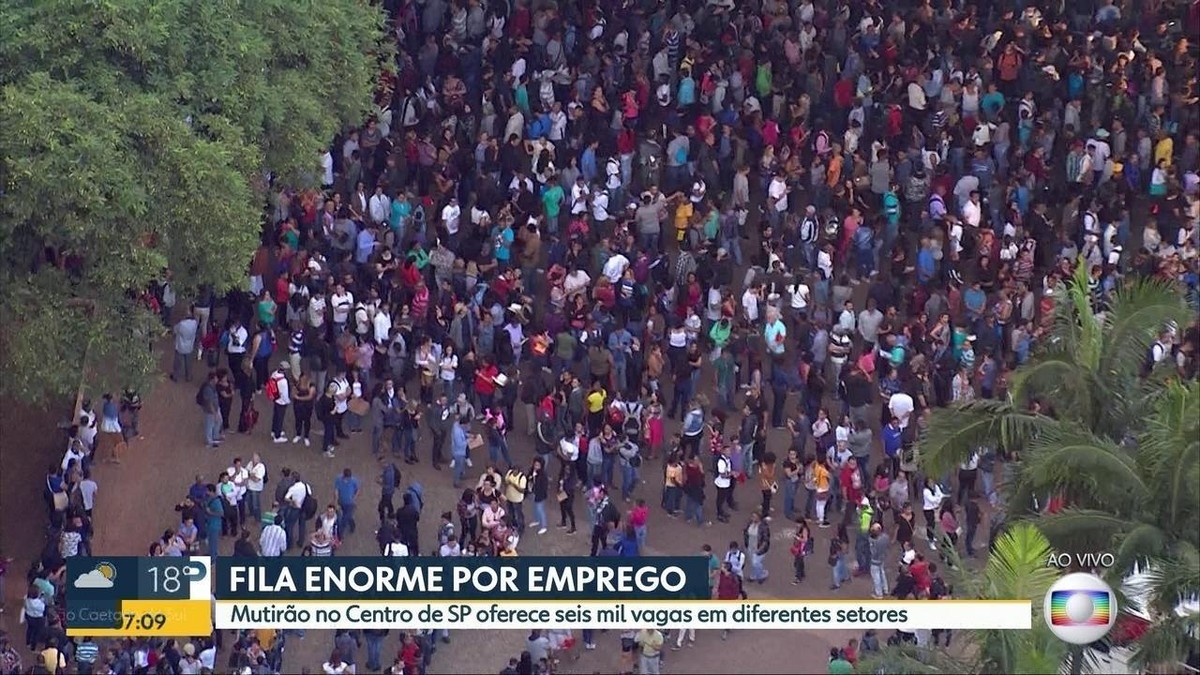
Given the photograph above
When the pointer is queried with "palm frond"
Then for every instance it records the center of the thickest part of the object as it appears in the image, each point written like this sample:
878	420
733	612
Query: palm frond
1174	580
1165	643
1084	467
956	432
1016	567
1169	452
1075	318
1058	377
1140	308
1136	548
1075	529
909	659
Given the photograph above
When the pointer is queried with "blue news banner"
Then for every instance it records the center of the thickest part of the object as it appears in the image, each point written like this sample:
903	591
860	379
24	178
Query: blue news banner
431	578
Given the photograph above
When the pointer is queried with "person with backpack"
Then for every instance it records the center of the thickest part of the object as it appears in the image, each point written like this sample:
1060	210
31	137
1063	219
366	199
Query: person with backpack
278	389
300	506
261	349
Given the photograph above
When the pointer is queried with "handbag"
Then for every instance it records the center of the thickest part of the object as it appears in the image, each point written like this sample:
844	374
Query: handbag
359	406
60	499
562	495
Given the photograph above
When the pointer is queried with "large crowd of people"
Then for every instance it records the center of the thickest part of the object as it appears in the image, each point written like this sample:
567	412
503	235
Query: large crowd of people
642	235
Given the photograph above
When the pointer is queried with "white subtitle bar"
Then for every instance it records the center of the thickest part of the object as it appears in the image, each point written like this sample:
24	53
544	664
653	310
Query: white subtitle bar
562	614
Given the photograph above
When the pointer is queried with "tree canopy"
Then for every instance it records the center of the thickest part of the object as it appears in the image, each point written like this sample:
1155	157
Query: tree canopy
134	137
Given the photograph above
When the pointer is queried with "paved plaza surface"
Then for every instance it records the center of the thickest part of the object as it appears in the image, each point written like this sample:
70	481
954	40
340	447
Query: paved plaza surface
136	499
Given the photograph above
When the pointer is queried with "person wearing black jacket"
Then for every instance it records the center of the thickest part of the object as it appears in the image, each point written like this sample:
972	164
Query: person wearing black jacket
242	548
406	522
567	483
326	413
539	489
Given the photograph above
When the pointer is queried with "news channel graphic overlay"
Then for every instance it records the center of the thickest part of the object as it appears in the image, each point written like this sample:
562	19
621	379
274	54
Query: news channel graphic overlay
139	597
624	614
433	579
1080	608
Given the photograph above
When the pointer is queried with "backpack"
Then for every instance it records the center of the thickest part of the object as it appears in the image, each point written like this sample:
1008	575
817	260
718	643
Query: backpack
248	420
272	388
308	508
200	395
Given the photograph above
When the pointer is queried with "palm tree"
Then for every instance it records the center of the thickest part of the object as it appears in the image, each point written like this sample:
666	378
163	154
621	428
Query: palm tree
1088	369
1016	568
1120	448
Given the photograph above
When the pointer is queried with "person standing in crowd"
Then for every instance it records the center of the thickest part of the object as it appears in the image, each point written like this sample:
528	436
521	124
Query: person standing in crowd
279	392
187	339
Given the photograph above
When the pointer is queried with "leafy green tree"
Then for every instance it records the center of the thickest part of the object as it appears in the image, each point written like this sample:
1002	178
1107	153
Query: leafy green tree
134	137
1121	448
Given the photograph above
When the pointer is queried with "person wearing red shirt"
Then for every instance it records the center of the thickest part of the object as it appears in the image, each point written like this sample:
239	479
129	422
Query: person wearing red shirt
728	588
850	478
843	93
921	574
485	382
410	656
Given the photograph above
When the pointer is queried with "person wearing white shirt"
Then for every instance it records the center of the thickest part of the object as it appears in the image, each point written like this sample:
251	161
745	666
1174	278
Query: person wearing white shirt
750	304
396	549
799	292
451	213
382	324
916	96
479	216
847	321
972	210
612	173
326	169
825	263
74	452
364	314
777	196
447	369
293	501
600	206
724	484
558	122
956	235
901	406
381	206
615	267
256	480
579	197
208	658
235	350
931	498
281	401
342	302
316	311
273	540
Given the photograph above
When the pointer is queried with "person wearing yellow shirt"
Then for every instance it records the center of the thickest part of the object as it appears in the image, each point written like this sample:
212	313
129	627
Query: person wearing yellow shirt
1164	150
683	218
516	484
52	658
595	400
821	479
673	485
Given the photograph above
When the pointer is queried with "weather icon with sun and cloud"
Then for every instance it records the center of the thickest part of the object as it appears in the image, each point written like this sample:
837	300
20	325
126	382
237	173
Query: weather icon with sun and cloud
101	576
